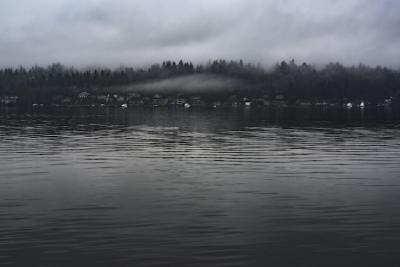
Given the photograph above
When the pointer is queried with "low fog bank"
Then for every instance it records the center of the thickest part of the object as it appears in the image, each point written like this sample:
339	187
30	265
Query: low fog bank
192	83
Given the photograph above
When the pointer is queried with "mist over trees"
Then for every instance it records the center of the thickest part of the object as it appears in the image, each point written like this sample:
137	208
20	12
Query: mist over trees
334	82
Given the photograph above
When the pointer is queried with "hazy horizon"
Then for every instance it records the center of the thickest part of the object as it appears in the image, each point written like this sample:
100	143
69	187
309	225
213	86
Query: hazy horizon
268	68
138	33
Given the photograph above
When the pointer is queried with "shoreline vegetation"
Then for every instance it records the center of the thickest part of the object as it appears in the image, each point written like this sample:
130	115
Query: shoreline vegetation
217	84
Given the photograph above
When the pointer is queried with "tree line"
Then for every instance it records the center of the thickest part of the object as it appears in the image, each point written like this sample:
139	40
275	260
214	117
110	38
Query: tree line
294	81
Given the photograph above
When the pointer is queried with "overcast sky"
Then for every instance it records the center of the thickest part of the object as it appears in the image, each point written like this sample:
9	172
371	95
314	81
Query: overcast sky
139	32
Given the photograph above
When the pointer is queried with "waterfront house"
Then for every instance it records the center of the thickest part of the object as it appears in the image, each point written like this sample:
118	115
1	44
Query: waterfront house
120	99
157	100
216	104
196	101
9	100
66	101
180	101
303	104
83	96
132	96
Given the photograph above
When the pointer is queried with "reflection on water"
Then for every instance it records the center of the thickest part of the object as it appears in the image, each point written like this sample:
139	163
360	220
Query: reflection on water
199	188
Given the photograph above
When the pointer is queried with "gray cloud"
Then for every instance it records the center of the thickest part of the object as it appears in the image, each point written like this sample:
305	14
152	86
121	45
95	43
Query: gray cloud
133	32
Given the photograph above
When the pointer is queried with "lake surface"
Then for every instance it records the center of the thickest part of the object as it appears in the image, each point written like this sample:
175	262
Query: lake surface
199	188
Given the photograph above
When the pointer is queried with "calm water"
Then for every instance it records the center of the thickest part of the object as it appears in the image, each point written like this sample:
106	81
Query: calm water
199	188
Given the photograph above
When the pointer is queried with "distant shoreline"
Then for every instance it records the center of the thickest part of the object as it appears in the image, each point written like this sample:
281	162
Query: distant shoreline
218	83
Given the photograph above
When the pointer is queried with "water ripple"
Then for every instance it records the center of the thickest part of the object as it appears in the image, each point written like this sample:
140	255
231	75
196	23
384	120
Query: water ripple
217	192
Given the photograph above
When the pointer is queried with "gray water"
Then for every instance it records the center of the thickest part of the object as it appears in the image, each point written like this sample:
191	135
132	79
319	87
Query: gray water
197	188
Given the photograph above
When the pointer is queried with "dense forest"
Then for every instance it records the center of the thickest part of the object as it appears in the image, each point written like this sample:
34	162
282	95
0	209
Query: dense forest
289	80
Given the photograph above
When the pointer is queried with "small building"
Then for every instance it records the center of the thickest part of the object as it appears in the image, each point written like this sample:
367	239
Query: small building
196	101
158	101
9	100
136	102
134	96
321	104
303	104
180	101
216	104
388	101
120	99
83	95
234	104
66	101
